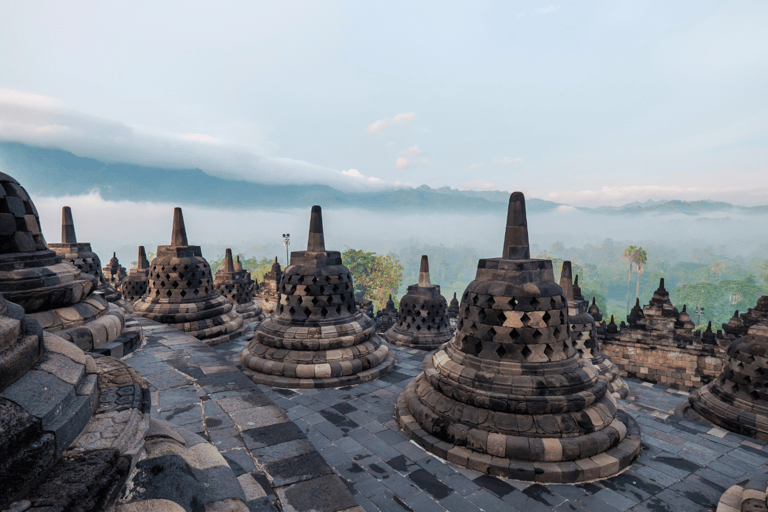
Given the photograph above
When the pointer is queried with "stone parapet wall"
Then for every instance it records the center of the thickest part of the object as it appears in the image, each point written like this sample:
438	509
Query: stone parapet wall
683	368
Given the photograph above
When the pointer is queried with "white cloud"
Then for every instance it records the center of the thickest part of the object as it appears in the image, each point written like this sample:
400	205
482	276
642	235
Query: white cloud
379	125
510	160
404	118
352	172
564	208
402	163
43	121
373	179
547	10
619	195
479	185
411	152
473	166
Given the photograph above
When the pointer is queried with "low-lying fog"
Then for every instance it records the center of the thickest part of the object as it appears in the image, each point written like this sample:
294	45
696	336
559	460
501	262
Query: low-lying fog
122	226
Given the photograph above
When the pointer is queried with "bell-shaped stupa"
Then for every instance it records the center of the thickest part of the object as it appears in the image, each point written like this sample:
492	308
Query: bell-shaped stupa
738	399
181	292
316	337
386	317
584	333
233	284
114	272
54	292
422	321
509	395
136	283
77	253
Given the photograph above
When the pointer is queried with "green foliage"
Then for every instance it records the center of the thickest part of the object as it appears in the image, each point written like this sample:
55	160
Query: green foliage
376	276
256	266
719	299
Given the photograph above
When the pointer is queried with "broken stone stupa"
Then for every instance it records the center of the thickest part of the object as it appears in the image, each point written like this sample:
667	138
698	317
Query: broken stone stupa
422	321
316	337
584	333
269	289
114	272
738	399
54	292
181	292
136	283
233	284
509	395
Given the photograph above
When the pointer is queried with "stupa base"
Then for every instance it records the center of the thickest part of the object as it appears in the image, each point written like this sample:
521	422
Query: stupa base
88	324
616	385
421	342
379	370
250	311
747	496
729	416
609	463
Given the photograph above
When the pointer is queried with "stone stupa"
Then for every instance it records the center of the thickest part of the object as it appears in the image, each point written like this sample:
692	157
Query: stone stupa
509	395
114	272
738	399
233	284
181	292
54	292
136	283
584	333
387	317
316	337
269	289
422	320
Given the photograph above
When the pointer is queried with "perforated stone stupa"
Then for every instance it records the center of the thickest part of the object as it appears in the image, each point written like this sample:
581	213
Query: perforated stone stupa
422	321
233	284
738	399
77	253
54	292
136	283
316	337
509	395
181	292
584	333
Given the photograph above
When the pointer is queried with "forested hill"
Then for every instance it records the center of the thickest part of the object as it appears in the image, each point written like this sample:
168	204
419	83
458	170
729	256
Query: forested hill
54	172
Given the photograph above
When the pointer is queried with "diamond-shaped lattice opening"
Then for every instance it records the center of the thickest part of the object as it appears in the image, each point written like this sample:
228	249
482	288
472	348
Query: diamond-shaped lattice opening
175	284
324	311
546	317
750	359
338	309
534	302
748	379
525	319
514	334
418	327
186	267
174	268
491	333
537	334
501	351
552	304
759	371
314	280
314	301
168	294
548	351
526	352
755	395
196	291
168	277
183	293
555	332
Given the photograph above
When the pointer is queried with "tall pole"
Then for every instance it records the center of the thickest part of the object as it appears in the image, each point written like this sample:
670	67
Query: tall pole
287	242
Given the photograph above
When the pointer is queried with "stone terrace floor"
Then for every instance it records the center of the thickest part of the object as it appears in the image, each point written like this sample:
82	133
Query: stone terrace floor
684	465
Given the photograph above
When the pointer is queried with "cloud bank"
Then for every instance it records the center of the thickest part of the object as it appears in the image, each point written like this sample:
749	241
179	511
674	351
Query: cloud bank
44	121
379	125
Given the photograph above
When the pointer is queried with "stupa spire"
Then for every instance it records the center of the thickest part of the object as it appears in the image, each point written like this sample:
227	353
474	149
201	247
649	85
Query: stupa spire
316	241
229	265
67	226
424	272
143	263
179	235
566	280
516	246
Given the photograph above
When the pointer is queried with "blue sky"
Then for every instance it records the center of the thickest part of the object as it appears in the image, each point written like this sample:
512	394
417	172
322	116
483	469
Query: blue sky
579	102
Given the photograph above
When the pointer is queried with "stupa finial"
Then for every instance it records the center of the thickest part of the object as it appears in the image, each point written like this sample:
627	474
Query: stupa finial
516	246
424	272
67	226
566	280
143	263
179	235
229	265
316	242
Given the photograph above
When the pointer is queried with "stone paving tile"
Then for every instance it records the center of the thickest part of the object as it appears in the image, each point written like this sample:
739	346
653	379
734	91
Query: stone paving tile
684	465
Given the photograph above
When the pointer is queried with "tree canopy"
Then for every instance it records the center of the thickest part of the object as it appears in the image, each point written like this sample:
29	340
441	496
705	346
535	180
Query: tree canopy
376	276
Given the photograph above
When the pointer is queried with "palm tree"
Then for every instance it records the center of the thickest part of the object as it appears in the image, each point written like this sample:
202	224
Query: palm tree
628	255
639	257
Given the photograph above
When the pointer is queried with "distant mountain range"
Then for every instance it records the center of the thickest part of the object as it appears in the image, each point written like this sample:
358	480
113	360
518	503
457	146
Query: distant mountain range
55	172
